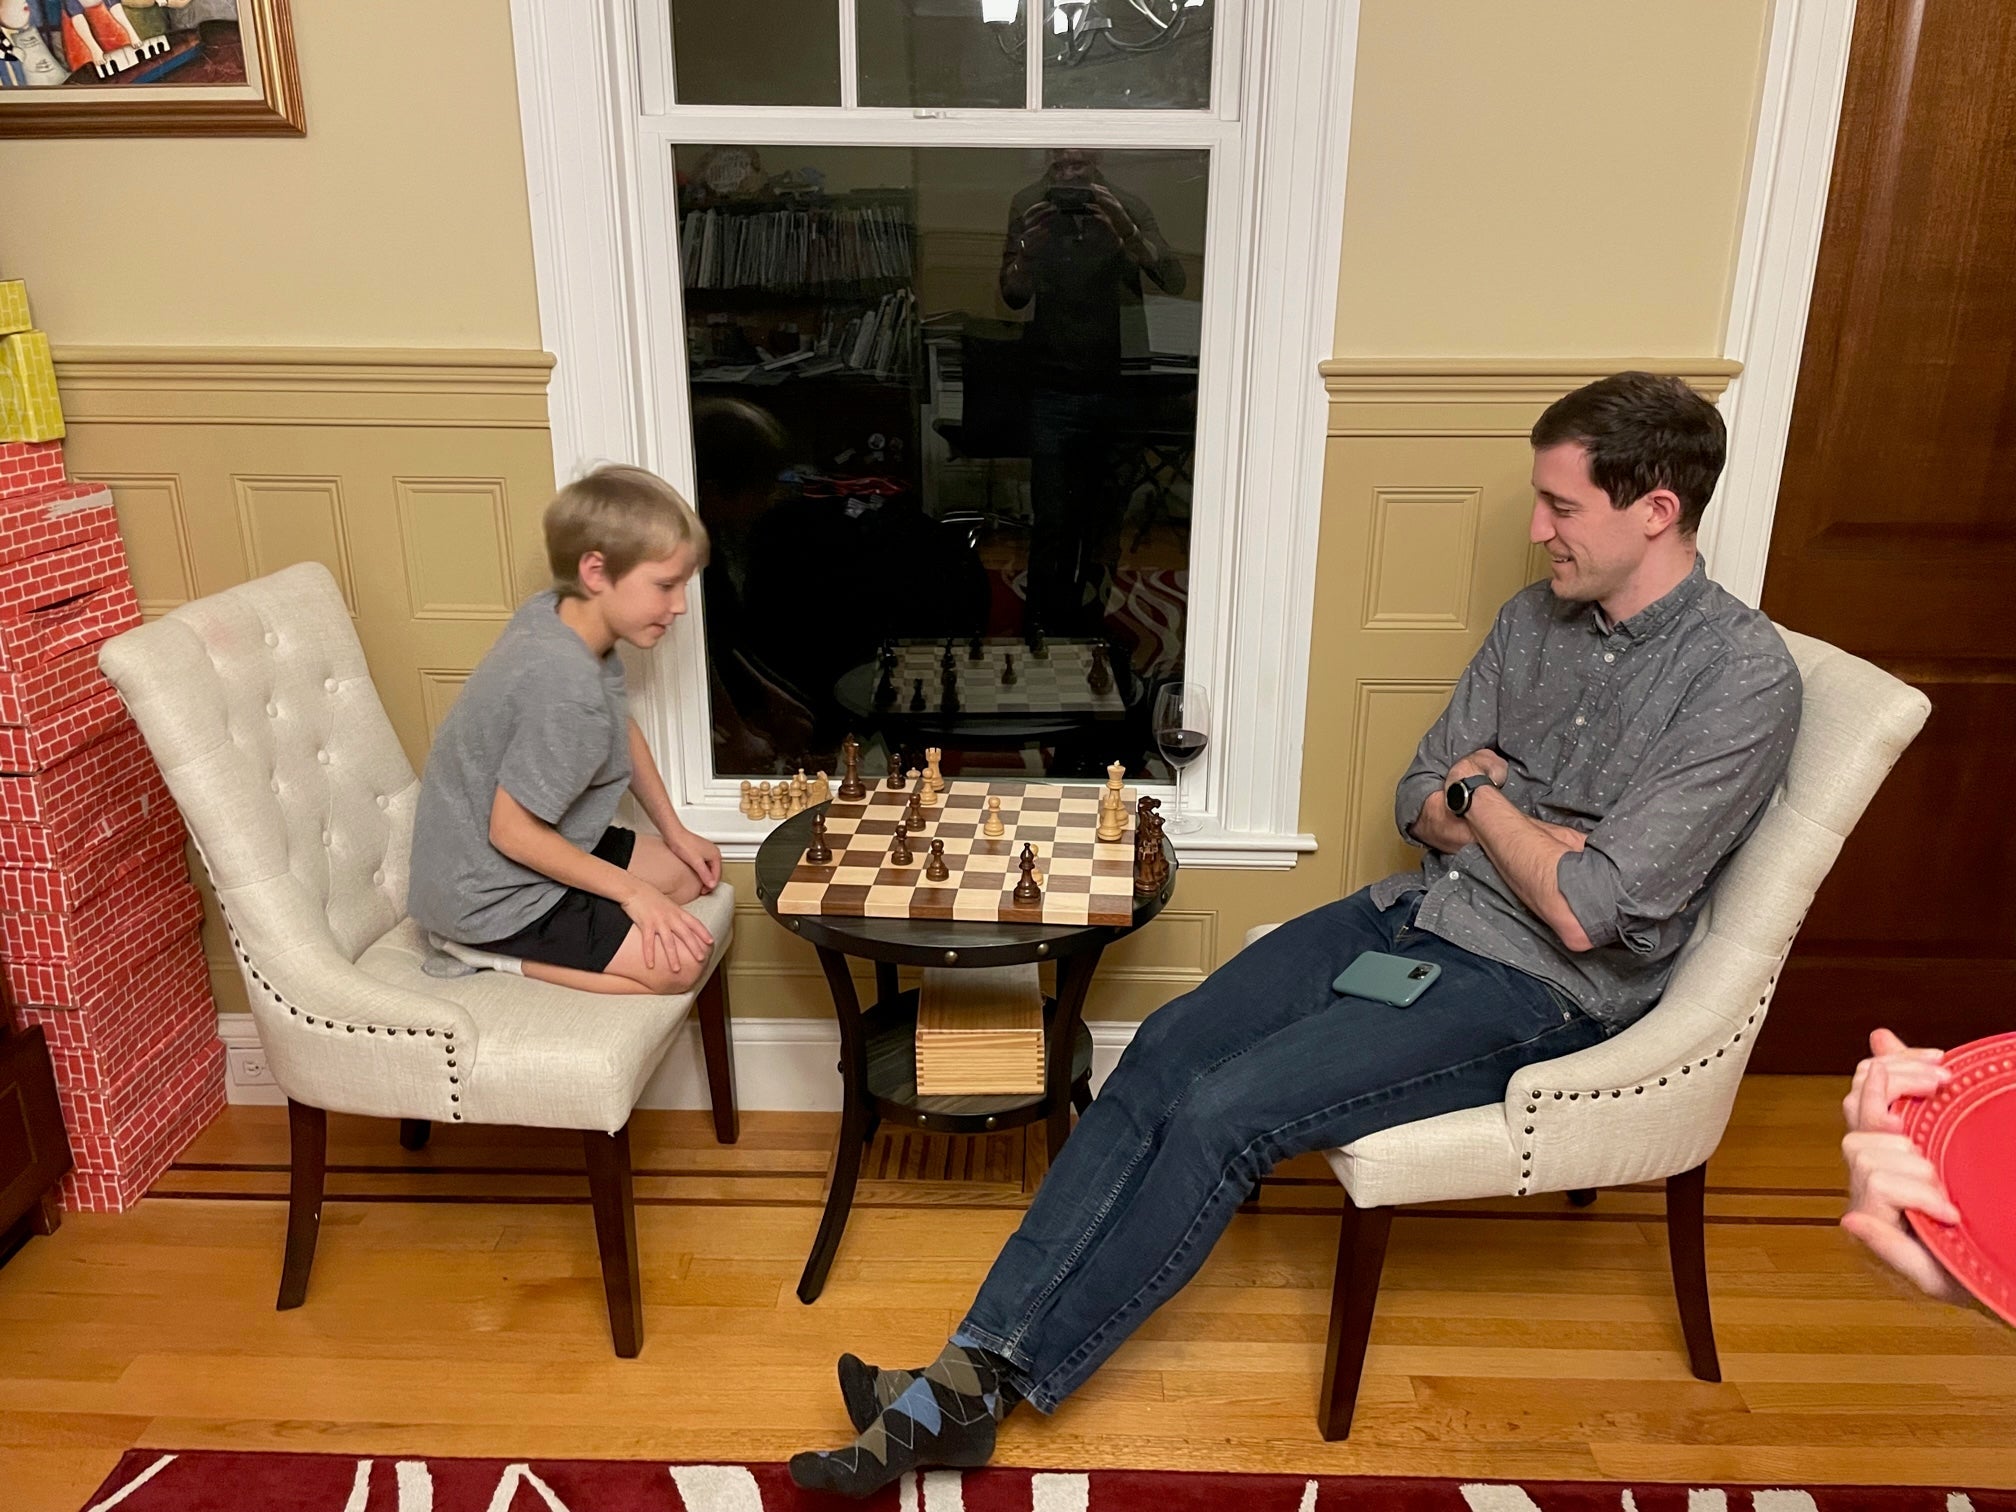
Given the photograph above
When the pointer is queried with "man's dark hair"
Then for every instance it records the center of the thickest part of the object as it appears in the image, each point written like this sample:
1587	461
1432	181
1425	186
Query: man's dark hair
1642	432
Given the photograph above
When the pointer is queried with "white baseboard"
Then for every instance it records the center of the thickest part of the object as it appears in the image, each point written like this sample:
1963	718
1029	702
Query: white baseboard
782	1065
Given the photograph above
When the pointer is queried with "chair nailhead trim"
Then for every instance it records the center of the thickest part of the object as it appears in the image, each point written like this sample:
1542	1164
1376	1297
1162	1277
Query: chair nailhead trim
1529	1128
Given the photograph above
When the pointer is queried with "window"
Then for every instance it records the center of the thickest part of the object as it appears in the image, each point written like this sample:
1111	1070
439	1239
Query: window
943	312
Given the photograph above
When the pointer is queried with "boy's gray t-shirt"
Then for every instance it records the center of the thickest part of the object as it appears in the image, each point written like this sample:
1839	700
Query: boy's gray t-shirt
548	721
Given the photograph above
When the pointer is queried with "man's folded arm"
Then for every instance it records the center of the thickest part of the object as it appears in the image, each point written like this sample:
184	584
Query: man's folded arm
1469	723
1689	804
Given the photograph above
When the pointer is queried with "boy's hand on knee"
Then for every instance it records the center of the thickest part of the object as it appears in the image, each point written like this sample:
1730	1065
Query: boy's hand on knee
700	853
663	926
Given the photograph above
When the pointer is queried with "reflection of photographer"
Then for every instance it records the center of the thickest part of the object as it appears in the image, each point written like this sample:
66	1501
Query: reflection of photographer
1077	247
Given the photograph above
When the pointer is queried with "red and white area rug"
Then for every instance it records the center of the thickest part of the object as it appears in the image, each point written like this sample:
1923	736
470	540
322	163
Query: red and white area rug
154	1480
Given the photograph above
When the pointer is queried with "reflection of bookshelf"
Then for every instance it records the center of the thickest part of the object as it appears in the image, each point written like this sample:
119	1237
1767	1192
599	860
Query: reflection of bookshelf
808	308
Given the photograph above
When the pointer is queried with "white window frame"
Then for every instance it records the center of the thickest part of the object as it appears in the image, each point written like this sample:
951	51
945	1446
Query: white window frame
594	86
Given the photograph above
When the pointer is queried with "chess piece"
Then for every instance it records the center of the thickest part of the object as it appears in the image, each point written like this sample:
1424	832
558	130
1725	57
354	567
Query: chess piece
885	690
917	696
780	801
1026	891
851	788
899	853
1116	776
927	795
763	801
894	781
822	790
993	828
1038	647
932	756
748	799
913	813
948	662
885	656
948	693
1112	817
1099	678
1008	670
935	869
1151	867
818	852
801	789
974	649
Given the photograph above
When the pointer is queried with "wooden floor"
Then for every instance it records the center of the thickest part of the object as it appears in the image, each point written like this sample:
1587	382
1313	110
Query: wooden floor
456	1308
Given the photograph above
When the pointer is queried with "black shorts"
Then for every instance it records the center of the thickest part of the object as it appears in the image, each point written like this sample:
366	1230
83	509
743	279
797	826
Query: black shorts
583	930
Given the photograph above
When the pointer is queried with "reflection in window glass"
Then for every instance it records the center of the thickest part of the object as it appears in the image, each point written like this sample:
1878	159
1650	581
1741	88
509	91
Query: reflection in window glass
756	52
948	53
1120	54
944	410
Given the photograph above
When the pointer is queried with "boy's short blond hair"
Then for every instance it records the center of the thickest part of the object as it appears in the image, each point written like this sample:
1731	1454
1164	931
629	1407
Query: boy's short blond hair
626	513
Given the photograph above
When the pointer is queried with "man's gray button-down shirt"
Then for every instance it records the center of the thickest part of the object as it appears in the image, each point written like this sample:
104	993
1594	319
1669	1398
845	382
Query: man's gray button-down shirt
1661	738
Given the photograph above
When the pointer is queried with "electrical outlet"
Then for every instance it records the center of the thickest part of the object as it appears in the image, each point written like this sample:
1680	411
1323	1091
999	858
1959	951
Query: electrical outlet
248	1067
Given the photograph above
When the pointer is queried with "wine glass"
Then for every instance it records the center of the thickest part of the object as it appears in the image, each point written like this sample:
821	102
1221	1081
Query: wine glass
1182	725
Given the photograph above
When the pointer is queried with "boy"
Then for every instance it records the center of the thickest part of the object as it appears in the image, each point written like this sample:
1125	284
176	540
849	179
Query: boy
516	865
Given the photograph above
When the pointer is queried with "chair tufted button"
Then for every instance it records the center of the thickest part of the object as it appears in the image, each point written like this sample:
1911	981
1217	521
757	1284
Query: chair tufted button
378	879
329	685
323	757
383	801
272	711
276	784
272	639
325	837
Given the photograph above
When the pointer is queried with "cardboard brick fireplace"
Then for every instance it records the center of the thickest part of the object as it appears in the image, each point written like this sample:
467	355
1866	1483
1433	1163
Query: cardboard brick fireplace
99	925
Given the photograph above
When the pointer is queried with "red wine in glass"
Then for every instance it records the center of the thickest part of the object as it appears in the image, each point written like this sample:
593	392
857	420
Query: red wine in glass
1181	747
1182	726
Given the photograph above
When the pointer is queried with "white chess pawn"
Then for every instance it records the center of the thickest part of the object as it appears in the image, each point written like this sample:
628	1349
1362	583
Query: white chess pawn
780	801
763	801
993	828
748	799
1112	817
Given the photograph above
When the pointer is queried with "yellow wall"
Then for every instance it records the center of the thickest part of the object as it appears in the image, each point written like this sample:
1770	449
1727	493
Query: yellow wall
1538	192
398	221
1548	178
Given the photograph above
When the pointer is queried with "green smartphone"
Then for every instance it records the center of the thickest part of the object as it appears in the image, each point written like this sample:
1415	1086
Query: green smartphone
1391	979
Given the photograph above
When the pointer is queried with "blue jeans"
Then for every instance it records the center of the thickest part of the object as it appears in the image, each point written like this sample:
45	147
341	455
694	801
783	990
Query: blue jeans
1262	1062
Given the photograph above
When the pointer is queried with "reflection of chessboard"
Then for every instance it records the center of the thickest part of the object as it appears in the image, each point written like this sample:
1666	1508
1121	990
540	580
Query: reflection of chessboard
1085	880
1052	684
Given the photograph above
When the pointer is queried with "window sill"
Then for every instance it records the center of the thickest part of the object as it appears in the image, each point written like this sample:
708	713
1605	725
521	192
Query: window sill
1211	849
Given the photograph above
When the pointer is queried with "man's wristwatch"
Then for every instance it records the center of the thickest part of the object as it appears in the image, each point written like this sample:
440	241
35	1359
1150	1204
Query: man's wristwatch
1460	790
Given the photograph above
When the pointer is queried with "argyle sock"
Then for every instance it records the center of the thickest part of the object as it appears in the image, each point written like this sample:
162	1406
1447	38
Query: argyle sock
943	1415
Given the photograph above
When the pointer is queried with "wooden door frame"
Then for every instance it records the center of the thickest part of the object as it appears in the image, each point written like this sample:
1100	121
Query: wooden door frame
1785	207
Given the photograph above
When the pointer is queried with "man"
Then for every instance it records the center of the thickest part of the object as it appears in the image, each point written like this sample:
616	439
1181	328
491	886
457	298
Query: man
1079	248
1617	736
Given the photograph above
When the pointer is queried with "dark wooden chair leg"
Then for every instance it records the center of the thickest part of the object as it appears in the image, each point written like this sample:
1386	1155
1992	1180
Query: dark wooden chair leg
46	1216
414	1133
1686	1197
717	1047
1582	1197
308	1140
1081	1096
1361	1255
616	1235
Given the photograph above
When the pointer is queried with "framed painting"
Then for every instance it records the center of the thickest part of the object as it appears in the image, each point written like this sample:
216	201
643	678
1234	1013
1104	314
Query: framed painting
148	68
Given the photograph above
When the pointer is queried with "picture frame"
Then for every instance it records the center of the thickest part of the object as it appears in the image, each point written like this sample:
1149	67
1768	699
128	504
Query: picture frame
101	68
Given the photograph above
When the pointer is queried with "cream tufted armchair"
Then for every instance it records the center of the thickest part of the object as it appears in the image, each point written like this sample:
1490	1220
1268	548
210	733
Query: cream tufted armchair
1650	1103
259	708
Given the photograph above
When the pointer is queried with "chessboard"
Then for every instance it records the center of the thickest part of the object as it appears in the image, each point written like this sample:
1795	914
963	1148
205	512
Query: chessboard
1085	880
1058	682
